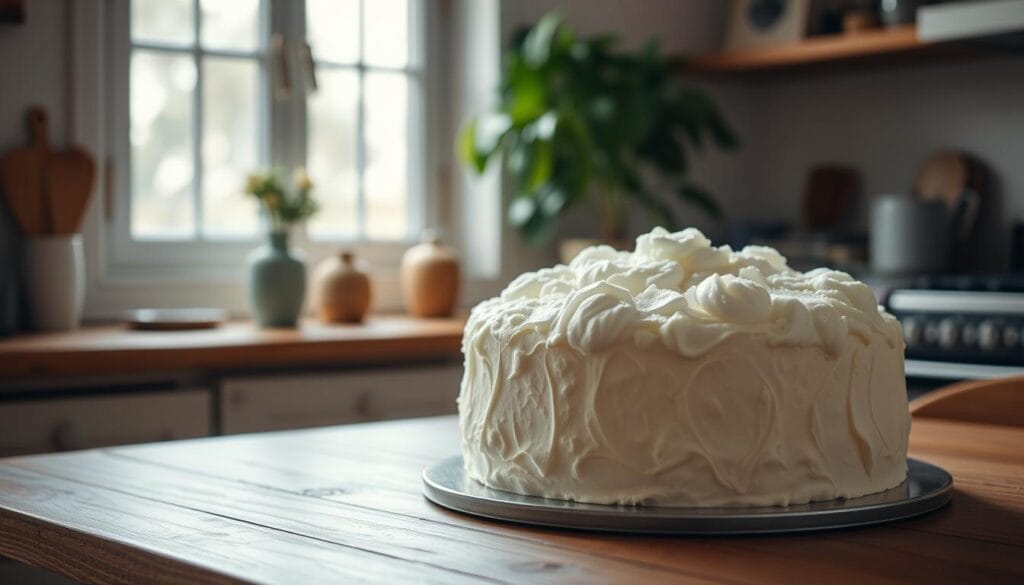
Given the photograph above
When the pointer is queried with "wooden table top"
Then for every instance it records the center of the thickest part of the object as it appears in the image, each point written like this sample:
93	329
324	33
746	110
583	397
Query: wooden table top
343	504
116	349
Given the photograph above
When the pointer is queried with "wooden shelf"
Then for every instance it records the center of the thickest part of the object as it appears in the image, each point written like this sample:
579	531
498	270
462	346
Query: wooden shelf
236	345
873	44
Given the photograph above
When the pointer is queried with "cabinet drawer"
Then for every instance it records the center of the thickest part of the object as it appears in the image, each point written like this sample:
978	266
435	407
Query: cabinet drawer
288	402
34	426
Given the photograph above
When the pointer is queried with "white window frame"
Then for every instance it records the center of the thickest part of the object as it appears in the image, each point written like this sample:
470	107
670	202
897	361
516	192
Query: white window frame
463	39
283	128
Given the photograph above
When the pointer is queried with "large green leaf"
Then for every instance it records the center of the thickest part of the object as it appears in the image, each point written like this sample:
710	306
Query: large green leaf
490	129
467	146
723	133
700	198
539	230
664	151
542	165
538	43
526	96
480	137
533	222
521	210
579	113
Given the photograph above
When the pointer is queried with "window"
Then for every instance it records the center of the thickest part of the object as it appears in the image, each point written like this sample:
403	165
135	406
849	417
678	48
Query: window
360	118
218	88
197	122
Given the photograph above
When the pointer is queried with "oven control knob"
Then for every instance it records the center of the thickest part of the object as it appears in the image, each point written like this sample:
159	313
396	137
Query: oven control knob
1011	337
969	335
988	335
949	333
930	333
912	331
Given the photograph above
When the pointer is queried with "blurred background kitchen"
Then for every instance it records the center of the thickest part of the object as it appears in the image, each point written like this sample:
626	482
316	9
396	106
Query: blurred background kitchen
226	216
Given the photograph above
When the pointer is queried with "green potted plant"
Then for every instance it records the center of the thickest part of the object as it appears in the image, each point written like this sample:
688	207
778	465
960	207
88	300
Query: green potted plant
277	274
580	122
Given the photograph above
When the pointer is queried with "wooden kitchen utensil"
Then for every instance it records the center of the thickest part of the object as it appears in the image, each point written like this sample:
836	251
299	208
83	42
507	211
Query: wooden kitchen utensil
830	196
957	180
943	176
47	191
69	182
23	171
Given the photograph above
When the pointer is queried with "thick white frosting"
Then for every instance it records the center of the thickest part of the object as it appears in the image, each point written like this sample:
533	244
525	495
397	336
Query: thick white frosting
684	374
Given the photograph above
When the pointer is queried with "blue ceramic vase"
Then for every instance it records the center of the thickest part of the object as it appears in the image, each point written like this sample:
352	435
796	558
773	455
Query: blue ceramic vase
277	283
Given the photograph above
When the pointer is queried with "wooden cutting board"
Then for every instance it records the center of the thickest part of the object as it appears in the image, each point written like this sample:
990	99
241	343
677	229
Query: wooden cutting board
70	177
47	191
23	172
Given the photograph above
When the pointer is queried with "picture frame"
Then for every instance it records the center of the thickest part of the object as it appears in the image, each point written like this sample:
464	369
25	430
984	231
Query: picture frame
764	23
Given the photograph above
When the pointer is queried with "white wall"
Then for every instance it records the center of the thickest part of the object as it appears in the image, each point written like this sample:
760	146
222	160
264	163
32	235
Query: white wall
680	25
32	68
886	121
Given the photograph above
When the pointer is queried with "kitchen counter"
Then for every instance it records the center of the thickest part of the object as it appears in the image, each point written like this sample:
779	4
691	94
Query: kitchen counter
119	350
344	504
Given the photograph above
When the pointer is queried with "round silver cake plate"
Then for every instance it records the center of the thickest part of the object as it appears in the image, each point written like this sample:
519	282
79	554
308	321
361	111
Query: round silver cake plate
927	488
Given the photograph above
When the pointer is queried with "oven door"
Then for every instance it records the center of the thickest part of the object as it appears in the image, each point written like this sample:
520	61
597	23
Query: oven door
924	376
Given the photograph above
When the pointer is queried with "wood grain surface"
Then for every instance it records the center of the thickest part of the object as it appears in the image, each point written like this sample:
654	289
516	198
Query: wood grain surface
827	51
344	504
119	350
999	401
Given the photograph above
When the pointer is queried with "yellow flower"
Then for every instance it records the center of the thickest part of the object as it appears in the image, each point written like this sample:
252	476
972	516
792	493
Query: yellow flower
252	182
272	200
302	180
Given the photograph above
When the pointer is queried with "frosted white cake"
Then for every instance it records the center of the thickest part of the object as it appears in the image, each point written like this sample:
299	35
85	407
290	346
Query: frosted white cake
684	374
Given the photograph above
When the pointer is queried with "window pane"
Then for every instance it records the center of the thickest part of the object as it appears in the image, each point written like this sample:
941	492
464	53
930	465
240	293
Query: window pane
331	153
163	21
387	33
230	24
386	180
161	145
230	145
332	27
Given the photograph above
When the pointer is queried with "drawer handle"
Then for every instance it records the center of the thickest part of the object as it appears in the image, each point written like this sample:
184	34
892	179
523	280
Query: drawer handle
68	436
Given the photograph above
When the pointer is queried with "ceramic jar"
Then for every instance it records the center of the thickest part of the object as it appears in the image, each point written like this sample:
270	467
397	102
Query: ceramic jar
277	283
430	278
341	291
55	281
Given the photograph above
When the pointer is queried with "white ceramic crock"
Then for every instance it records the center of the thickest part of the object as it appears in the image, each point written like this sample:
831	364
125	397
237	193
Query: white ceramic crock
54	281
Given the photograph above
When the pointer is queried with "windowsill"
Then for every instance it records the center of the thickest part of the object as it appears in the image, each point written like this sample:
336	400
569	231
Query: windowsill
115	349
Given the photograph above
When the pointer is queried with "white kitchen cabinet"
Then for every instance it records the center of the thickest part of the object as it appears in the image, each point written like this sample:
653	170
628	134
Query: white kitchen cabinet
60	424
264	403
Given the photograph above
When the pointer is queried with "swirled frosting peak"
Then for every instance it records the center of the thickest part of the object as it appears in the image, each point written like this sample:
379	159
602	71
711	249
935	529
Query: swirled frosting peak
684	373
680	288
733	299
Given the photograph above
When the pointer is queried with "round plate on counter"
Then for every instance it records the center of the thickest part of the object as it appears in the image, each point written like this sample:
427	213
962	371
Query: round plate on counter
927	488
176	319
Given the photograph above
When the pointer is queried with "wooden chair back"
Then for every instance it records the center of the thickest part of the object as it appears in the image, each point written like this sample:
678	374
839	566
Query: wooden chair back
998	401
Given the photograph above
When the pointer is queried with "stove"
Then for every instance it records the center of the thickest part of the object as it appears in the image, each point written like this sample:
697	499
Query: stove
962	327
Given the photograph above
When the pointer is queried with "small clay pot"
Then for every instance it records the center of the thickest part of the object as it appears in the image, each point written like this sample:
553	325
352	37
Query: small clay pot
430	278
341	292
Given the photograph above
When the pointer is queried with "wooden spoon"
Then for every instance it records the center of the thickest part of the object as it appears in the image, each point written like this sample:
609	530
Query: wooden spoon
23	171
